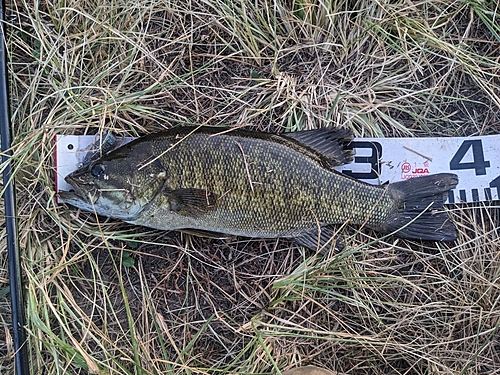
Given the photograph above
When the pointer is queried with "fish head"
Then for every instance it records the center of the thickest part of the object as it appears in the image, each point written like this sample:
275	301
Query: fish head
114	186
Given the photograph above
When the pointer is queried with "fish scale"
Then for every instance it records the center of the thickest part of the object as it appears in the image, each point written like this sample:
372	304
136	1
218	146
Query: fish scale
265	188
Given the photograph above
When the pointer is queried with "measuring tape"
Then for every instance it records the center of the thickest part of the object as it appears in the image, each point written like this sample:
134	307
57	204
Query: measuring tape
476	161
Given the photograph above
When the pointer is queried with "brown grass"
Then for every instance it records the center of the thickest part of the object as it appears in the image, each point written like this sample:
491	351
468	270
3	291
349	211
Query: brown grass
109	298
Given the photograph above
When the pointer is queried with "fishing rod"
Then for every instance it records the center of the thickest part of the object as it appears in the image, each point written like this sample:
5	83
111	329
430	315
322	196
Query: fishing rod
19	335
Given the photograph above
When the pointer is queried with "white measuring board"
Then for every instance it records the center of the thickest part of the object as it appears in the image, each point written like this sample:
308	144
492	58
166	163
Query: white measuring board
476	160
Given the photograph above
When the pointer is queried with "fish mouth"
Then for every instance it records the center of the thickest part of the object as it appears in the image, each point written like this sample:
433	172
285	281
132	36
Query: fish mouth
87	196
71	196
76	193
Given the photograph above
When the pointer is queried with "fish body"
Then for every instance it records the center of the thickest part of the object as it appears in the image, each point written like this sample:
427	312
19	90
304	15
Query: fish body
254	185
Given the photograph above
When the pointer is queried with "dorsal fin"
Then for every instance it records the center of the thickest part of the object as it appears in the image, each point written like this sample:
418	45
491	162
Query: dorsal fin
330	142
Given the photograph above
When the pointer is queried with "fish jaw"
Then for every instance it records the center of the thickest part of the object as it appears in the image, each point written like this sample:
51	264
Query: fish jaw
114	203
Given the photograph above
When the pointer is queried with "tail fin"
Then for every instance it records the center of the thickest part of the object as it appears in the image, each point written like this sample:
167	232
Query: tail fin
420	214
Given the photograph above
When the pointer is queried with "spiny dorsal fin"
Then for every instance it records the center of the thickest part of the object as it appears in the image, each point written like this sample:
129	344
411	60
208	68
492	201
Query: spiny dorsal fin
330	142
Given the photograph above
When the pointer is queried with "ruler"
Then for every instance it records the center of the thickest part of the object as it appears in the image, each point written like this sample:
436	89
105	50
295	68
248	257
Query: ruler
476	160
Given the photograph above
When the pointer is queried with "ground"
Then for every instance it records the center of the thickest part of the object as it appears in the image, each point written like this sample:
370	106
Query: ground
104	297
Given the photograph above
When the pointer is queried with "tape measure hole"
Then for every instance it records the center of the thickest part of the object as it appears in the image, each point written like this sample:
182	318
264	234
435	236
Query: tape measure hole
70	146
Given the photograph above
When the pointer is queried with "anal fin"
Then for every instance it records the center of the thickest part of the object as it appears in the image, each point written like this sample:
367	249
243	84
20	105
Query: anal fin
320	240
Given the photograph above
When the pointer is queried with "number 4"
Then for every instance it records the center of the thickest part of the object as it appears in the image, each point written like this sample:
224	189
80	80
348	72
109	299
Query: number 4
478	163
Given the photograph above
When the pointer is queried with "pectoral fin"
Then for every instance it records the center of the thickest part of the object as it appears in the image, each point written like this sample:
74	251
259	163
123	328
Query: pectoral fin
191	202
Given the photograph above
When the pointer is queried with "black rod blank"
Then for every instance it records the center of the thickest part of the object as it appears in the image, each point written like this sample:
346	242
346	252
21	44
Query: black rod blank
19	335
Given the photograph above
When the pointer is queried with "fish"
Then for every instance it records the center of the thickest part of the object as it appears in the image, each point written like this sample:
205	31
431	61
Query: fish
258	185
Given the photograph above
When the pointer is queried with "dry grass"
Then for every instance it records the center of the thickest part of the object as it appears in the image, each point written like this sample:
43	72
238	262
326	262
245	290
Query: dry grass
109	298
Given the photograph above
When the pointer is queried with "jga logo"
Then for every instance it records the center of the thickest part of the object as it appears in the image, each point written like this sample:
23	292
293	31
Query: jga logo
406	167
410	172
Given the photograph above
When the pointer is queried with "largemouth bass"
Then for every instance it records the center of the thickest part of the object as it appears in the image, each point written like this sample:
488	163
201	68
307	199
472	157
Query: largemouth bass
255	185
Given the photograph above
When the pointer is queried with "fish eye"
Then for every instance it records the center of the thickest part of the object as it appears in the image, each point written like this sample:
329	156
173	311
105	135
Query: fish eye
97	170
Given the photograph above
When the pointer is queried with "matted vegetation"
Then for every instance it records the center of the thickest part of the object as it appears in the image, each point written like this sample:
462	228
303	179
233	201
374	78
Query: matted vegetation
103	297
